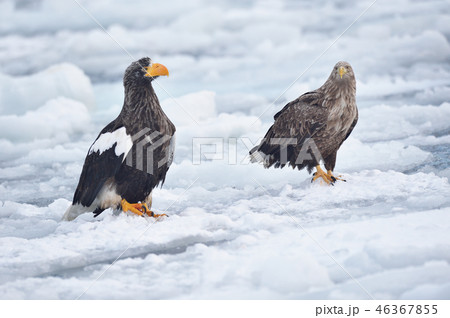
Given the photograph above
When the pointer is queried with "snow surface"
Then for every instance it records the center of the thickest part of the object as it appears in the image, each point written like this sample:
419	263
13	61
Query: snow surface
235	230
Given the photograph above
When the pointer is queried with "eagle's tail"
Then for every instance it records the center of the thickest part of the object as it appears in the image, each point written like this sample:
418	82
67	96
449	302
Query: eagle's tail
282	153
257	156
73	211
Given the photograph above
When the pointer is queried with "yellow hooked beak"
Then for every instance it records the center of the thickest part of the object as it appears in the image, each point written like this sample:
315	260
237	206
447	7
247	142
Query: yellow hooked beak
342	71
156	69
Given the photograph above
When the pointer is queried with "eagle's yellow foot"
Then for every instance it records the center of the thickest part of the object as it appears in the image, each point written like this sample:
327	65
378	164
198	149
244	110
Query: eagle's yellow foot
322	174
139	209
149	212
333	177
132	207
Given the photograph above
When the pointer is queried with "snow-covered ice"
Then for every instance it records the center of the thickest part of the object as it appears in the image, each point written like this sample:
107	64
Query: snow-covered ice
235	230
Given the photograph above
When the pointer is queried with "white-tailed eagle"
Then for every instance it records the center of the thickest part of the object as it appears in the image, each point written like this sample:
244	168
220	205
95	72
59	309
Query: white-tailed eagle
311	128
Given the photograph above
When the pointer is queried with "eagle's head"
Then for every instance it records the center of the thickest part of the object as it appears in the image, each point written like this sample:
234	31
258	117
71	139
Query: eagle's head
342	72
143	71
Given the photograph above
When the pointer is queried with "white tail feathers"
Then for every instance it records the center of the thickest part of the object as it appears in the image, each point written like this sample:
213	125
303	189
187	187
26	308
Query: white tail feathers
257	156
73	211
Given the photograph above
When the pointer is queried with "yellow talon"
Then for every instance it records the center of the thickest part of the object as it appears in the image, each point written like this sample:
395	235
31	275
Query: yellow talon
328	177
139	209
149	212
126	206
333	177
321	174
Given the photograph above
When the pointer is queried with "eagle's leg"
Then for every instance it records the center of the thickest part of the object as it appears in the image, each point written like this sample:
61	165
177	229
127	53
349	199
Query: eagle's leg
333	177
321	174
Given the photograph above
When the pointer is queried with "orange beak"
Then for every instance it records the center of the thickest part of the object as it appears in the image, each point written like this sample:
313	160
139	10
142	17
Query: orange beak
156	69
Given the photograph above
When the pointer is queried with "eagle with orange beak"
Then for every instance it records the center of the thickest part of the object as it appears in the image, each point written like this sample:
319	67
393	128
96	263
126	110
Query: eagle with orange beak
132	154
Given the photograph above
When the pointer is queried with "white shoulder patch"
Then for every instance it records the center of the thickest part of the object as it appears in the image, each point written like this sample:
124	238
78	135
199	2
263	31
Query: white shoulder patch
107	140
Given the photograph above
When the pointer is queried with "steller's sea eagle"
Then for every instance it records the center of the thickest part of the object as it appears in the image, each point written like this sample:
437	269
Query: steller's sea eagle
311	128
132	154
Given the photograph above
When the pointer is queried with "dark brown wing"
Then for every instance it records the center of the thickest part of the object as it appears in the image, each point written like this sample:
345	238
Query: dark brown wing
310	98
294	125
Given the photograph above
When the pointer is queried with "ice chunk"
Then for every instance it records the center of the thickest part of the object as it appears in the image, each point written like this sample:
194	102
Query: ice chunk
57	116
22	93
